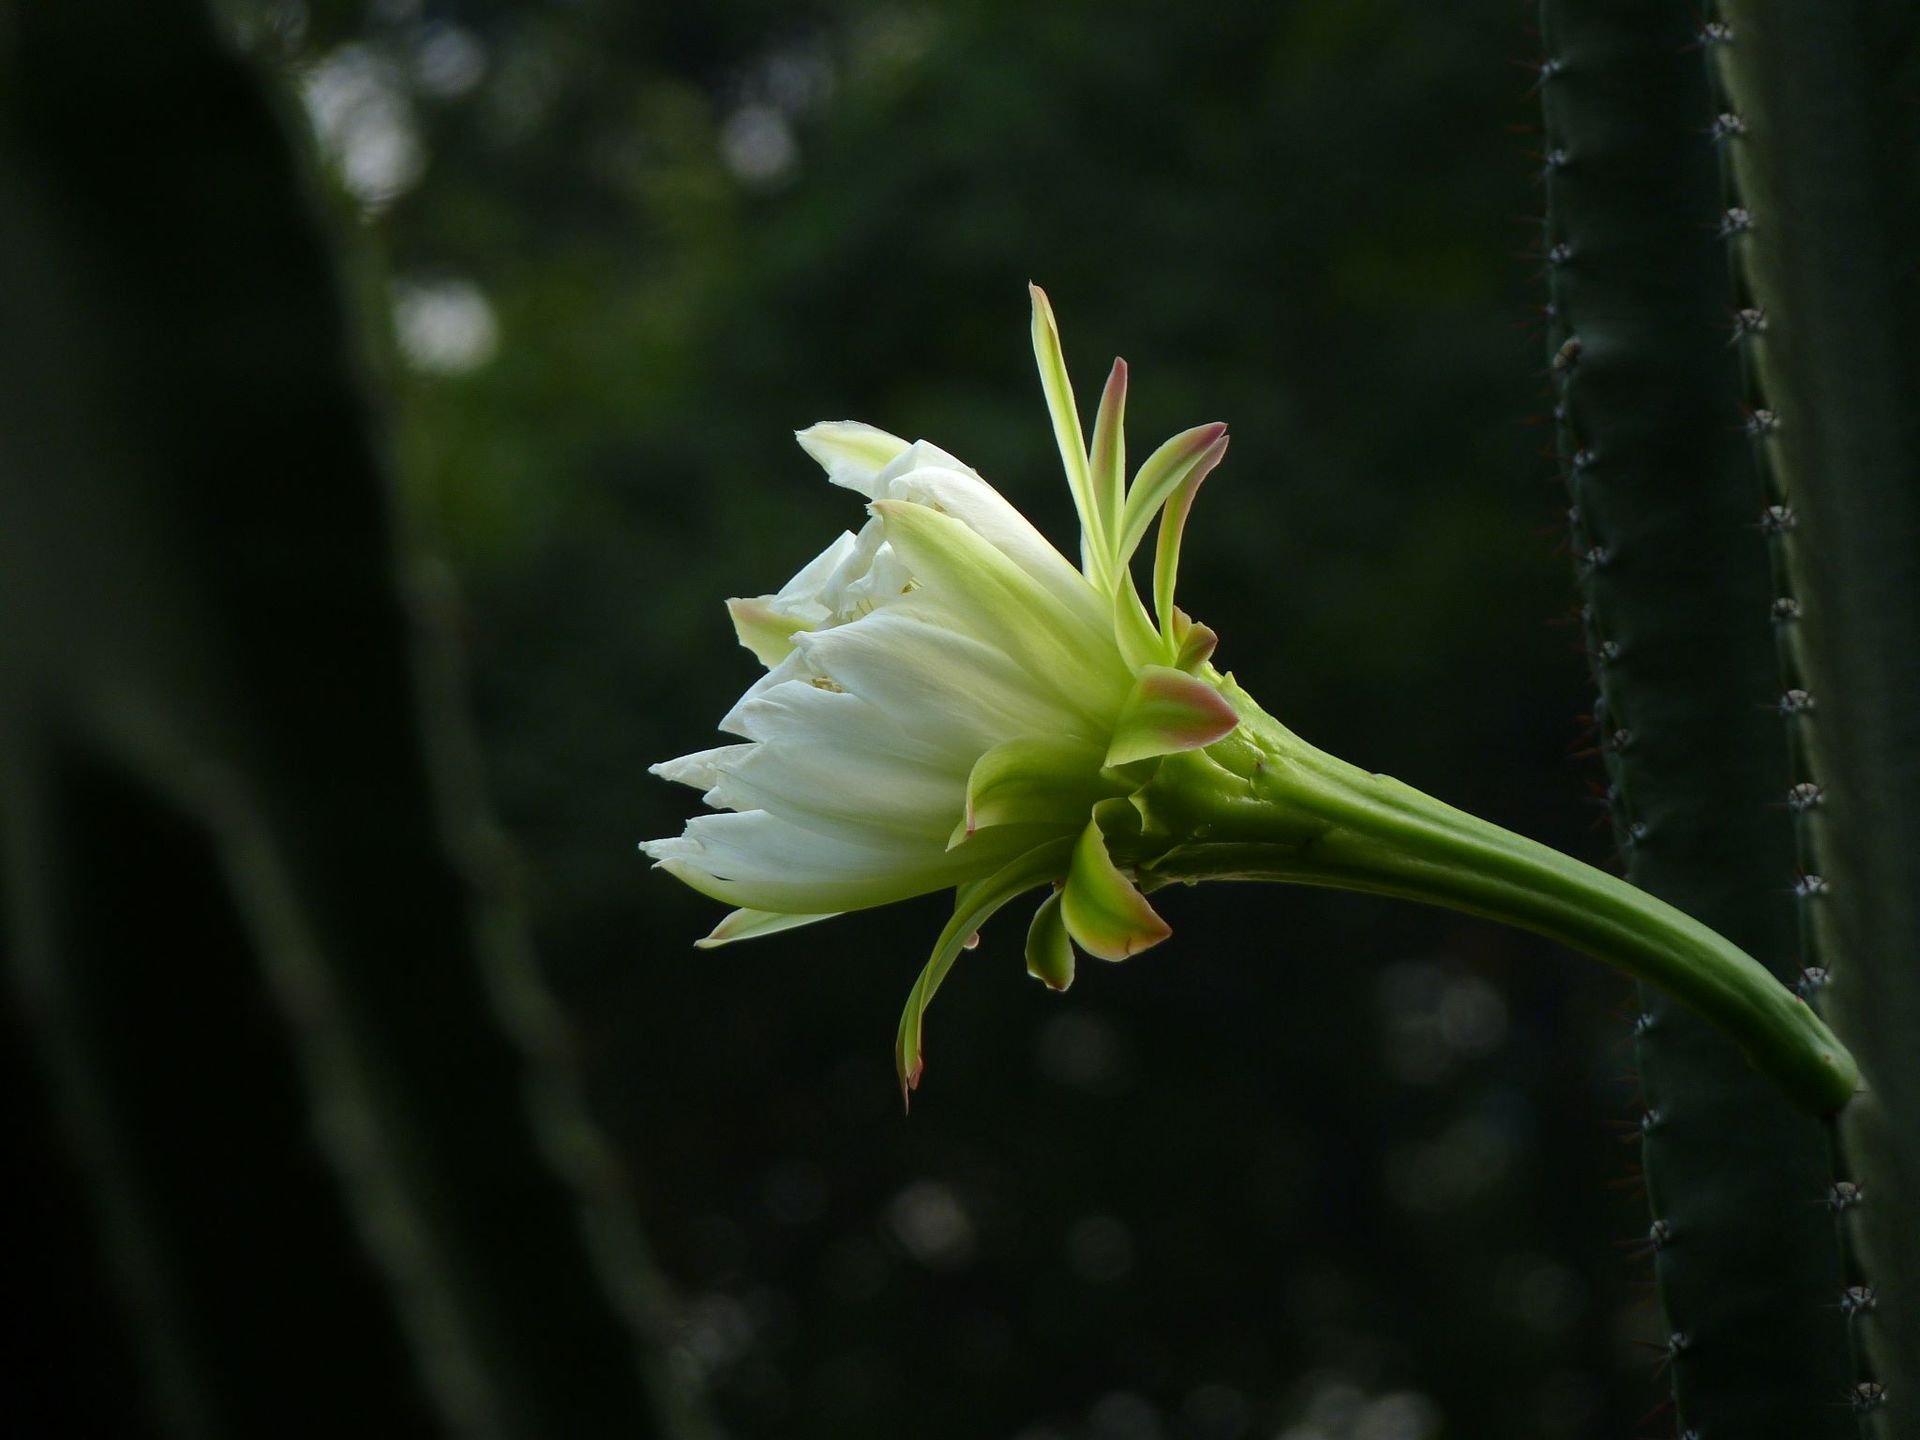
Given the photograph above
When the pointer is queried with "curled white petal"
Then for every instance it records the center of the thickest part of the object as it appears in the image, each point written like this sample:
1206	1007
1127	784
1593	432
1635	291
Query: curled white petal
921	455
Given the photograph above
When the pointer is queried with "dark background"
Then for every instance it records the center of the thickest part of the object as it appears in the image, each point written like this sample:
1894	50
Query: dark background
1320	1167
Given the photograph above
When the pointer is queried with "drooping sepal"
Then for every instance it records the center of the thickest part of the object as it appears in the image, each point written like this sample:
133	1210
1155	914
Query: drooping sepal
751	924
1183	460
1167	711
1104	911
1032	781
973	905
1049	947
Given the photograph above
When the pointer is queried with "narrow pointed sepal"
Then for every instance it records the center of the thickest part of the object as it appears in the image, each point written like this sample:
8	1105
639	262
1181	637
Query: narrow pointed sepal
1109	457
1096	549
1169	710
751	924
973	906
1032	781
1104	911
1049	947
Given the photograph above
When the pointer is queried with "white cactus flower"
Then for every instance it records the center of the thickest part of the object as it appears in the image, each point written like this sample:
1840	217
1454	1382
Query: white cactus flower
948	698
949	701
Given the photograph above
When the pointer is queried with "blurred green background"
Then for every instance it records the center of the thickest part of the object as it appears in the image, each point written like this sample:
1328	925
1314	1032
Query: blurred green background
1320	1167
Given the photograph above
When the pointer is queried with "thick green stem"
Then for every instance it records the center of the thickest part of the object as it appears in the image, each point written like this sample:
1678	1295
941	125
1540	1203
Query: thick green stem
1265	805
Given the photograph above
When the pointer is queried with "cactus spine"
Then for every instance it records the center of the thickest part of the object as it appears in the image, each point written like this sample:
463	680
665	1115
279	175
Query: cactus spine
1675	604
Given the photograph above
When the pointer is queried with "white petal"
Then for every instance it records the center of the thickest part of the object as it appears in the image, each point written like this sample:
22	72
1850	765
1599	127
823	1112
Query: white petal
852	454
761	862
921	455
795	667
886	581
832	784
952	689
833	777
800	713
701	769
816	572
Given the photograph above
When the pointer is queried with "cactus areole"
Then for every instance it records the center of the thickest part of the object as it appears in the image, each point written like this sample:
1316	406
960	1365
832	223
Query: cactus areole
950	701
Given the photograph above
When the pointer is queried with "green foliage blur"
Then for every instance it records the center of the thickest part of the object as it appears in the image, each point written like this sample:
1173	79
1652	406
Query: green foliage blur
1320	1167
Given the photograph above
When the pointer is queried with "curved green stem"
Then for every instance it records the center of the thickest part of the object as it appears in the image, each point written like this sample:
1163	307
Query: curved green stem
1265	805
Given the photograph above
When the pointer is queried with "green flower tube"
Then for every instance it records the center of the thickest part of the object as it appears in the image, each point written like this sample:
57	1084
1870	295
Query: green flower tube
950	702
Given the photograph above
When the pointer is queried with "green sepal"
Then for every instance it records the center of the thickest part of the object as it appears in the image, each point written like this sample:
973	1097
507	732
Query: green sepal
1049	947
973	905
1169	710
1095	550
763	630
1109	458
1104	911
1033	781
751	924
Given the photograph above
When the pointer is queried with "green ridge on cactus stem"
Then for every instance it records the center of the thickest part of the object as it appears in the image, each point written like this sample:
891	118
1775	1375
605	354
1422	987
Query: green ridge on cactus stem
1828	173
1675	603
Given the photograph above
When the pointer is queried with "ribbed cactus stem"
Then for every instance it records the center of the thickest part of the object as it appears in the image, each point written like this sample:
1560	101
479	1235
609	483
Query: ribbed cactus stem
1667	529
1827	176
